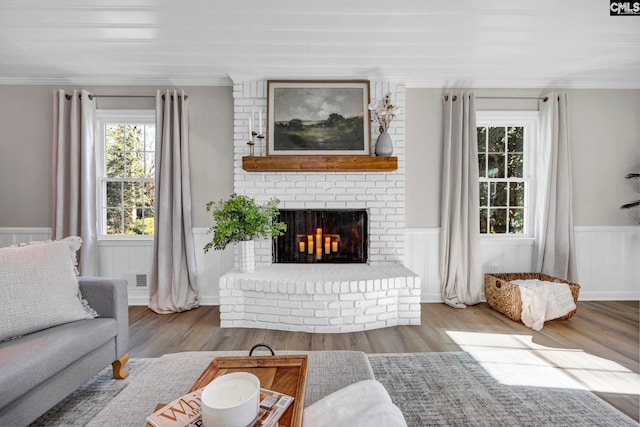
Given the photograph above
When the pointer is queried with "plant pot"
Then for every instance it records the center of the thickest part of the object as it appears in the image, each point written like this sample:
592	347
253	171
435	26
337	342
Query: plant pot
384	145
247	256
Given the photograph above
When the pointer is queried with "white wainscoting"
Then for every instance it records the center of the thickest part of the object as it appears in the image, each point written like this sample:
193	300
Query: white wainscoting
608	260
423	257
128	259
15	235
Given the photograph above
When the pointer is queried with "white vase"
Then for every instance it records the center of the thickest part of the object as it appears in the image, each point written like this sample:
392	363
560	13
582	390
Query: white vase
384	145
247	256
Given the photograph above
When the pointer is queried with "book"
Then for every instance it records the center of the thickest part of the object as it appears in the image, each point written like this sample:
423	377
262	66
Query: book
186	410
272	406
182	412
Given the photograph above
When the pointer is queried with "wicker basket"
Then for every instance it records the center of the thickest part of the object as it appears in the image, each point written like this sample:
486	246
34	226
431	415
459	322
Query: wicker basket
504	297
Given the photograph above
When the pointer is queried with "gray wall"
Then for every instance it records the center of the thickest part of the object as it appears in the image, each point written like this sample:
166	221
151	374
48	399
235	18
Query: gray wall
25	148
604	127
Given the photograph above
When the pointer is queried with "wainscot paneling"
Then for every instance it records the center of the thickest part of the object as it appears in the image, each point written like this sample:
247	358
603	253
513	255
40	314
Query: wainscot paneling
498	254
15	235
130	259
608	260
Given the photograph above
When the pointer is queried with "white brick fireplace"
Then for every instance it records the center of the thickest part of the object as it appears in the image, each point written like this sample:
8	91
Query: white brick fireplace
382	194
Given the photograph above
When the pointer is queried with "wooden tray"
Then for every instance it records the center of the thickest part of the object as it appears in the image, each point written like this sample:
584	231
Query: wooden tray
285	374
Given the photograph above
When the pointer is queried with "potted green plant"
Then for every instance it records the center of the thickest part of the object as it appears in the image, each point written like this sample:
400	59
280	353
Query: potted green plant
239	219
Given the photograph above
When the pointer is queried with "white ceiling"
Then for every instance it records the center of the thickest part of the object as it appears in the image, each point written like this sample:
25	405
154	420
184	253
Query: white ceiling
424	43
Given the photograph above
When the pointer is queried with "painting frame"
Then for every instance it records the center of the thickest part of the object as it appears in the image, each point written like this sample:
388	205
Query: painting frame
318	117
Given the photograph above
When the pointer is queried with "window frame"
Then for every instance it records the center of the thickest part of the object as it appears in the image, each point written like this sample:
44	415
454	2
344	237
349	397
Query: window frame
114	116
529	121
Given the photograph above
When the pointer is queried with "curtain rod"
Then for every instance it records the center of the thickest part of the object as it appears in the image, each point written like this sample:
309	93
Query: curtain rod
132	96
91	96
544	98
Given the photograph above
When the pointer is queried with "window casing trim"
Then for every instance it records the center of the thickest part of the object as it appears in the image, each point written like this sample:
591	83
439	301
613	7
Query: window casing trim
111	116
529	121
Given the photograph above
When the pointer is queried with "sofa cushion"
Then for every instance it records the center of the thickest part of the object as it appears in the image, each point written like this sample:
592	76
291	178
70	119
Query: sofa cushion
38	289
31	359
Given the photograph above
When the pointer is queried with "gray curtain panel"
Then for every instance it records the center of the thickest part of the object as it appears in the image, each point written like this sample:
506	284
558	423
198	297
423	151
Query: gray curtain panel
554	252
460	264
173	273
74	174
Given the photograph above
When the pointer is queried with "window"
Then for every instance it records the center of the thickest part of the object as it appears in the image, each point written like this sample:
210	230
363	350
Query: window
126	170
505	163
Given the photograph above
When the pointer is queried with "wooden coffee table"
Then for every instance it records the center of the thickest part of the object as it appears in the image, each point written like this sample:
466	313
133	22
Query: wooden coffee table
285	374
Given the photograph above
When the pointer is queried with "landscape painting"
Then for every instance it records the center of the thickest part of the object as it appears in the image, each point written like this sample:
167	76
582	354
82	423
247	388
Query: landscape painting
311	118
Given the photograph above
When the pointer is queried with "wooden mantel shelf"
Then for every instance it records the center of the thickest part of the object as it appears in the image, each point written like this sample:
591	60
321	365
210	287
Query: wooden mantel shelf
319	164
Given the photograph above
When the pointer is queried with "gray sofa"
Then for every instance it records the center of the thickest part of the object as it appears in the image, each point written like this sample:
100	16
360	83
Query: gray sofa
40	369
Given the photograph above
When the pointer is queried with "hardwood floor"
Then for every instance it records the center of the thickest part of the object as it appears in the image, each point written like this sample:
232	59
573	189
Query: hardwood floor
599	346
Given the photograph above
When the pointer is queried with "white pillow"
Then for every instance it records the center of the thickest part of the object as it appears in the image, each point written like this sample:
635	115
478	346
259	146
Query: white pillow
38	288
362	404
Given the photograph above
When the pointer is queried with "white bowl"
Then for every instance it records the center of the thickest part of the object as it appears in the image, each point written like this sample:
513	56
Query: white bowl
231	400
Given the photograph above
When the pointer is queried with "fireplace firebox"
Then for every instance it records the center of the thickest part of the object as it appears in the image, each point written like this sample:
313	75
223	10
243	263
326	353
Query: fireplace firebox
322	236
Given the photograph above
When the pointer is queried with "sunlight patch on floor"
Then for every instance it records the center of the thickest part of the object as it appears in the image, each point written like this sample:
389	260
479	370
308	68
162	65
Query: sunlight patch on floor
517	360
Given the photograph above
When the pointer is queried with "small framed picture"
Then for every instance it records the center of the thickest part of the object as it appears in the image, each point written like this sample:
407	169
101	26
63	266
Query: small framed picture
318	117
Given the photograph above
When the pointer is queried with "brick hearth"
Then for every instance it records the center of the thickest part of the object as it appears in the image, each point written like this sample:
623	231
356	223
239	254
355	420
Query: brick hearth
320	298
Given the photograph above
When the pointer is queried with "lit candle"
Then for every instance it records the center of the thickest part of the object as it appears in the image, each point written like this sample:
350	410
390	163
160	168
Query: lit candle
319	238
301	245
260	121
327	245
310	245
318	253
334	246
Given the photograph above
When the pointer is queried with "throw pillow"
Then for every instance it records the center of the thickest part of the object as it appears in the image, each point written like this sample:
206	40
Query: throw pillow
73	243
362	404
38	289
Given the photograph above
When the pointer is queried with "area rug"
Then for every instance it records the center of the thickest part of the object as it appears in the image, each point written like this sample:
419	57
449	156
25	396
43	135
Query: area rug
81	406
431	389
457	389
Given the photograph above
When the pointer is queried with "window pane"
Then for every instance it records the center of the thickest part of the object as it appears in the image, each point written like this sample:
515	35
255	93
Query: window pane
114	221
483	220
148	221
132	224
516	221
134	137
112	137
150	165
516	139
149	194
516	194
482	165
484	188
498	220
498	194
495	167
496	139
150	138
134	164
114	191
482	140
514	165
115	164
132	194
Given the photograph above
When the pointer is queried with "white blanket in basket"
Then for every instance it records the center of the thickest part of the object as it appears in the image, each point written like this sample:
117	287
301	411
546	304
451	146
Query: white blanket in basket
543	301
